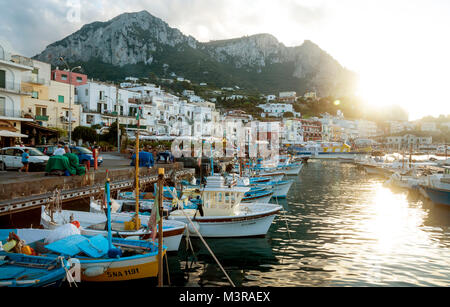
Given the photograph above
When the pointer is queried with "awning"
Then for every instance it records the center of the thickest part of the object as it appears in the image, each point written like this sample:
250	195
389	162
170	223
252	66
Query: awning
10	134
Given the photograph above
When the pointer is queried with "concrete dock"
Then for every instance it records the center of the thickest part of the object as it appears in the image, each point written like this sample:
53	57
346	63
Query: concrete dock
27	191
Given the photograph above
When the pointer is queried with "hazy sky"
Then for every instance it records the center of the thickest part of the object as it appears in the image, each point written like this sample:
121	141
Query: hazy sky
400	48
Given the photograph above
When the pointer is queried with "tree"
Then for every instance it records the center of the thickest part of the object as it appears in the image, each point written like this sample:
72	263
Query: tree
86	134
288	114
111	136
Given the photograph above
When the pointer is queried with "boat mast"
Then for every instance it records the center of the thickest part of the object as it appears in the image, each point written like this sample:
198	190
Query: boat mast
108	206
212	161
137	220
160	226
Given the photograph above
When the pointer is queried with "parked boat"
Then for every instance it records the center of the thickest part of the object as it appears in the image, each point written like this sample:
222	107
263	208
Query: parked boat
437	187
20	270
224	215
280	188
262	196
95	224
137	260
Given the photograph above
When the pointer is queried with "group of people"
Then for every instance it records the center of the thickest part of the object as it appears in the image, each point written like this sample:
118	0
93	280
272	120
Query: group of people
60	151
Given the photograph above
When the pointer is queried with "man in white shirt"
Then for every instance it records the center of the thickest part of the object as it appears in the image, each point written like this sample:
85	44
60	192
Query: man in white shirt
59	151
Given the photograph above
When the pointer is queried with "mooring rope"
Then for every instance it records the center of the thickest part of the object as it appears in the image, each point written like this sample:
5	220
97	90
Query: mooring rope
203	240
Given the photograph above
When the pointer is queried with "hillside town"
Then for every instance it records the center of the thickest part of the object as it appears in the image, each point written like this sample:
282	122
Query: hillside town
196	150
38	105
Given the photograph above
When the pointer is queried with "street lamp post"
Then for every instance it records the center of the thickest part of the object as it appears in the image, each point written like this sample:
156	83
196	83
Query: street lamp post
70	97
117	111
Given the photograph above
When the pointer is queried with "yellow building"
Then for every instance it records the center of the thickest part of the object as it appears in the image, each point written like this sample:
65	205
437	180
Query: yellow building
48	104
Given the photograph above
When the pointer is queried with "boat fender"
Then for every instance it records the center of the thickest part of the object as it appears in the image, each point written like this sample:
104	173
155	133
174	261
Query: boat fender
191	229
94	271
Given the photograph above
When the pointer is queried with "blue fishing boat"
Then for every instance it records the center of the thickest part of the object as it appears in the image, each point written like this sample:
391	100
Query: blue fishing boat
19	270
262	197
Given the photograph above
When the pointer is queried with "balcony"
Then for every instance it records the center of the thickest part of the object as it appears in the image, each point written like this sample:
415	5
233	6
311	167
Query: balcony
132	126
11	113
35	80
65	119
16	61
16	88
41	117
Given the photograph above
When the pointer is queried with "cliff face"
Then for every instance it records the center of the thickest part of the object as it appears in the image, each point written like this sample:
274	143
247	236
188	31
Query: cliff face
142	39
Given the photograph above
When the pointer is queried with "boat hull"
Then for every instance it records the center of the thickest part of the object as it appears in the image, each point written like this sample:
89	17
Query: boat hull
252	225
120	270
293	170
438	196
258	199
281	190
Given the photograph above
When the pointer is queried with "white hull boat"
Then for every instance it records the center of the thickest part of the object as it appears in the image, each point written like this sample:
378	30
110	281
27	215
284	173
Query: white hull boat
223	214
94	224
281	189
292	170
254	220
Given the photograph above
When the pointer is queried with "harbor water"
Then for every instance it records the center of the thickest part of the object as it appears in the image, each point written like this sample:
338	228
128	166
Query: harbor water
340	227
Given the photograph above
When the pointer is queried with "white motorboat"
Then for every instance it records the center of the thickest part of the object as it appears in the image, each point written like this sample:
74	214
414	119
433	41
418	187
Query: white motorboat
224	215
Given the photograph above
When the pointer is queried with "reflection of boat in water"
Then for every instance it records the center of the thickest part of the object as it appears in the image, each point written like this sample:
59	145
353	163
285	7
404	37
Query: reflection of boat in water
236	251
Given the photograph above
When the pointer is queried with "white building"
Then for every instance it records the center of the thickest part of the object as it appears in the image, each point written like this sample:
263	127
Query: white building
188	93
367	129
11	93
292	132
407	141
270	98
428	126
275	109
289	97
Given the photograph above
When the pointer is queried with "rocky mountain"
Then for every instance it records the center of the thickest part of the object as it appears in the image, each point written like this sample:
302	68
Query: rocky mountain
139	43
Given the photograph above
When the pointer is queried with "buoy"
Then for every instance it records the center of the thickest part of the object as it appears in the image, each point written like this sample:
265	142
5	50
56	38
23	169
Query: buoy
76	223
191	229
94	271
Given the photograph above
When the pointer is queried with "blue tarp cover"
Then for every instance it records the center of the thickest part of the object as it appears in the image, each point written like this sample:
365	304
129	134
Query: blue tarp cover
145	159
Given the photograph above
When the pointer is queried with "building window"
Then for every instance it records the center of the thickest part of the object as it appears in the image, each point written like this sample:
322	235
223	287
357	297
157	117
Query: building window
61	98
79	79
40	111
2	79
2	106
35	94
86	92
64	77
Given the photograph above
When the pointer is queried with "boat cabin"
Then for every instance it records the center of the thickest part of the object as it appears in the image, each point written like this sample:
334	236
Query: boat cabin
220	199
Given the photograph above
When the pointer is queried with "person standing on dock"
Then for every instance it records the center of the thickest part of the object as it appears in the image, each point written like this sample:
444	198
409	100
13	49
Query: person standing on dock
25	160
59	151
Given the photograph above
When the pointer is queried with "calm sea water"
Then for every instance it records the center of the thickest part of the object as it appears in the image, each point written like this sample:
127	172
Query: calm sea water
340	227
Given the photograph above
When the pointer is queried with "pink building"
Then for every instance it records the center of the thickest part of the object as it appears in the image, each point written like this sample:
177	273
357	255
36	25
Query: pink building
63	76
